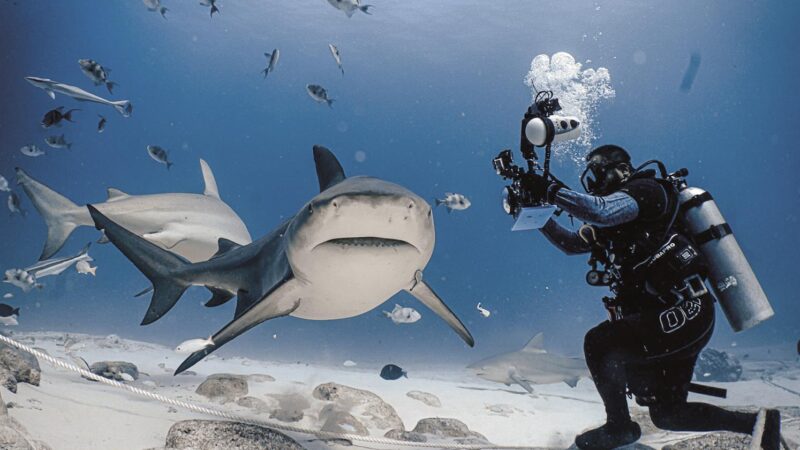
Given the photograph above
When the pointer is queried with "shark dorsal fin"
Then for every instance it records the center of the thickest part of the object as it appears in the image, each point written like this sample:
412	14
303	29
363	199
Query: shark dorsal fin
536	344
225	245
208	180
115	194
329	171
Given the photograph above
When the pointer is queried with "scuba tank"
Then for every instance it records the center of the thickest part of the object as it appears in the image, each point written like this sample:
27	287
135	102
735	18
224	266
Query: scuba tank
732	279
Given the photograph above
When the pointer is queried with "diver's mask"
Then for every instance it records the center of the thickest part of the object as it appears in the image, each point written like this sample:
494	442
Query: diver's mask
601	177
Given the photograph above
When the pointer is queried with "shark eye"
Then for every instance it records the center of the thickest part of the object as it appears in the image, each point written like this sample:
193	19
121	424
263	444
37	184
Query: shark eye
310	209
335	205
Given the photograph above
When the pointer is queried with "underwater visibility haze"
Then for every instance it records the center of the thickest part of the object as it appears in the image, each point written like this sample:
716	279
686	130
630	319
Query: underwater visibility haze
311	185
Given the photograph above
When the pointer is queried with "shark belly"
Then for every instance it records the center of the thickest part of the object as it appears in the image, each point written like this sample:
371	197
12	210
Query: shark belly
350	279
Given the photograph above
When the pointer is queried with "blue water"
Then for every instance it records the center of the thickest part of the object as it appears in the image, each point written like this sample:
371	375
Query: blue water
431	91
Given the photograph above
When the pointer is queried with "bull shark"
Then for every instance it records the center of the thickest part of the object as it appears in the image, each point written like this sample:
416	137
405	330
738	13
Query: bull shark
123	107
346	251
531	365
186	224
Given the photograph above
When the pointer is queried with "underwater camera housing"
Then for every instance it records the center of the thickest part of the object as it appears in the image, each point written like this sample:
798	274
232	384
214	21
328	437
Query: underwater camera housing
540	127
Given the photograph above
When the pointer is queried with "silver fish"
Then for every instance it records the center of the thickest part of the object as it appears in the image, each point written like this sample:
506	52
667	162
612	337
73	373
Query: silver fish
13	204
101	125
58	142
454	201
159	154
83	267
21	279
273	61
193	345
350	6
403	315
31	150
155	5
4	184
51	87
97	73
319	94
336	56
55	266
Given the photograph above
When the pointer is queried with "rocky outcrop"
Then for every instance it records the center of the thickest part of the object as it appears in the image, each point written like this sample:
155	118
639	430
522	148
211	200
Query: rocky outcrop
446	427
13	436
254	403
115	370
370	409
290	407
424	397
726	440
217	434
340	421
223	387
716	365
408	436
17	366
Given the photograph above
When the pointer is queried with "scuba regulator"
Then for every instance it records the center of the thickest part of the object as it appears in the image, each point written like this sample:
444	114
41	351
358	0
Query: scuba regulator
540	127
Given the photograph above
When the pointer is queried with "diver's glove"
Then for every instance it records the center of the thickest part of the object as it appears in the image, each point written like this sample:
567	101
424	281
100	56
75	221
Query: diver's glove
541	188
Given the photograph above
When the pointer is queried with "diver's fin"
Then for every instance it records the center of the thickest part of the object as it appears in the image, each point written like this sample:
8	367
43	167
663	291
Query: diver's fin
224	246
535	345
209	181
572	382
422	292
281	302
525	385
161	267
115	194
60	214
165	238
218	297
329	171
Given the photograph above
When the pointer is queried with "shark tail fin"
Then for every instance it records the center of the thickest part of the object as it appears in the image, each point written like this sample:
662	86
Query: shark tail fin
123	107
60	214
165	270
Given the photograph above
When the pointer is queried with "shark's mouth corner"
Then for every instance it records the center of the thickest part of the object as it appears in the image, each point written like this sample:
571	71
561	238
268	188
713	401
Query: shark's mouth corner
366	242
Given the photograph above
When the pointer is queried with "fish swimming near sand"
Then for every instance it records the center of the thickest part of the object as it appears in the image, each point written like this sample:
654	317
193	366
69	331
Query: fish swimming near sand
350	248
403	315
272	61
392	372
8	315
55	266
349	7
51	87
319	94
530	366
97	73
193	345
188	225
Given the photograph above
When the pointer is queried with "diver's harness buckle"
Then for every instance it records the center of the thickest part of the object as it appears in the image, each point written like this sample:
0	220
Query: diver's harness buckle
693	287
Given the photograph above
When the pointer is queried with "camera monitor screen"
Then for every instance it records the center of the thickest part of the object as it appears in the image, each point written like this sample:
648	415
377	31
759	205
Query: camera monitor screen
533	218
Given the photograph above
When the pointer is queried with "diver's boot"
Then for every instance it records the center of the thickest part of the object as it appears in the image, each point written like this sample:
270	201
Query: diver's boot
609	436
768	425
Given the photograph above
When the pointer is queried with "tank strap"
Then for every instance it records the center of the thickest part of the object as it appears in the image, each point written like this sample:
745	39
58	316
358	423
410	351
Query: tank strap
696	200
713	232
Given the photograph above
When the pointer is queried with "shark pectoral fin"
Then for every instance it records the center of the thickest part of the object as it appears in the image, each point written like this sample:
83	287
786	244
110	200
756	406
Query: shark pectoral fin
51	93
422	292
218	297
165	238
281	302
572	382
525	385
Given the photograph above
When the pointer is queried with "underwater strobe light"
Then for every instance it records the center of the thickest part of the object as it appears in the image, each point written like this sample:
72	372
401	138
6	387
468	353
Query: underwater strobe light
541	127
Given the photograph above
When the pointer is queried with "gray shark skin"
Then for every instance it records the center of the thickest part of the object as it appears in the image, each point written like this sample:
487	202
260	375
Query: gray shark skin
186	224
349	249
530	366
123	107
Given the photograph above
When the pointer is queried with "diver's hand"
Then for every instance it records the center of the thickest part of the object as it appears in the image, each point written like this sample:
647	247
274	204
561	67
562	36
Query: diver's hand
537	185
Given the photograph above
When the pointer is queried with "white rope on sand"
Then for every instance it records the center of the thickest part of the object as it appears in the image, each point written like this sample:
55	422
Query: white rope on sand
55	362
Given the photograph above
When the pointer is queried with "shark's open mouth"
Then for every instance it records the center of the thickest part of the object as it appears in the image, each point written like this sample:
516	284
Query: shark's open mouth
367	242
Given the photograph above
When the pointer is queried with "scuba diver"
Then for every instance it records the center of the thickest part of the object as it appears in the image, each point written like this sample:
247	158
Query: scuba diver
660	315
654	242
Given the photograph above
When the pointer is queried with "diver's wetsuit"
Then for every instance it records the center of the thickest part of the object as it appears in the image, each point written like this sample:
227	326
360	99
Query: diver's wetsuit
652	348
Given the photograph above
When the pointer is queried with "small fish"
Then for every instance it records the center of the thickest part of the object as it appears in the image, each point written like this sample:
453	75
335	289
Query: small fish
8	315
21	279
403	315
193	345
159	154
212	4
101	125
84	267
8	295
14	205
58	142
484	312
126	376
691	72
97	73
336	56
31	150
350	6
4	184
272	61
155	5
349	363
392	372
454	201
55	116
319	94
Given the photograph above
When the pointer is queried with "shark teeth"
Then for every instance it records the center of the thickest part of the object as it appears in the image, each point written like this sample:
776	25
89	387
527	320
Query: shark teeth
367	242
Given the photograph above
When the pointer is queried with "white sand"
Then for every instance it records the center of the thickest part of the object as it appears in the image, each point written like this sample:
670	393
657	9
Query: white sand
68	412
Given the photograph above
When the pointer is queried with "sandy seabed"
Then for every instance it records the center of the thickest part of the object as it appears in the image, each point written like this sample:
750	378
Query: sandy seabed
68	412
